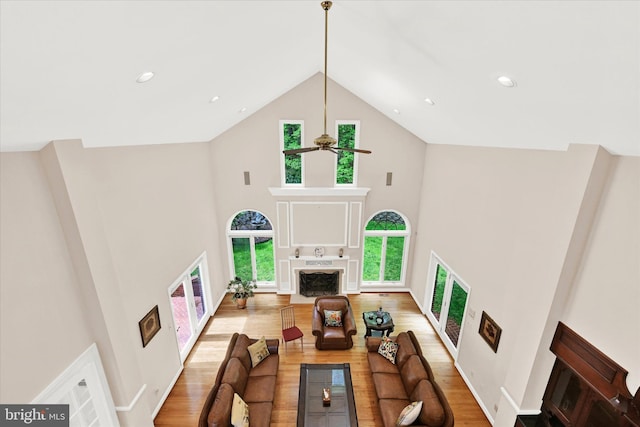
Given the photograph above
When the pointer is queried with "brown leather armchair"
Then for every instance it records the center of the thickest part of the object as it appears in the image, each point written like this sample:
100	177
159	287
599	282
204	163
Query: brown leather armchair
333	337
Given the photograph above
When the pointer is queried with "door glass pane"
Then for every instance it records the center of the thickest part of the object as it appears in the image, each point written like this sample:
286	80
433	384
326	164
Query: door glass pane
393	259
181	315
456	312
242	257
198	296
264	259
438	291
372	256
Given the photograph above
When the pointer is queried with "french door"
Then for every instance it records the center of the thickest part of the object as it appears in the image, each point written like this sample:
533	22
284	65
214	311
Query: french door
190	306
447	302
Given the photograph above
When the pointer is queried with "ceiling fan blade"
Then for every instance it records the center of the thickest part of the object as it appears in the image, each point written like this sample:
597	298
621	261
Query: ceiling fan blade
353	150
300	150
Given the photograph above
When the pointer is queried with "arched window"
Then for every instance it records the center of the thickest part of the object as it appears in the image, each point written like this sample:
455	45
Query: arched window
251	245
386	241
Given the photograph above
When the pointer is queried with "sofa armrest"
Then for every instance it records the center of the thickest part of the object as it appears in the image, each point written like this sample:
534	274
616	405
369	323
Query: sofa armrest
273	344
373	343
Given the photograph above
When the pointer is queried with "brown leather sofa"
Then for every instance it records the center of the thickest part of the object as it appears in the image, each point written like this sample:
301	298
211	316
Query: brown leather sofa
410	379
256	386
333	337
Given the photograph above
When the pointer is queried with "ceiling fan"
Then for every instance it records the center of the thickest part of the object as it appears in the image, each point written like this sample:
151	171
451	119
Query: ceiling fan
324	141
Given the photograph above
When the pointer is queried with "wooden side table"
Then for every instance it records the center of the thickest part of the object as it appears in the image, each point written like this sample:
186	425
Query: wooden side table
372	323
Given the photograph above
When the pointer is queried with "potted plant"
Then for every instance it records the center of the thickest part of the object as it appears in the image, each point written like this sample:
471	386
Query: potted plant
241	290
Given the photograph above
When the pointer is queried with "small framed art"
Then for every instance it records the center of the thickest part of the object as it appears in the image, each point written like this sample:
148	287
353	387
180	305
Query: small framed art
490	331
149	325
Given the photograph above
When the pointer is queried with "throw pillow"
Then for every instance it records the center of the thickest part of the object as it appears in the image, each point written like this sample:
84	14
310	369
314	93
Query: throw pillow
258	351
388	349
239	412
409	414
332	318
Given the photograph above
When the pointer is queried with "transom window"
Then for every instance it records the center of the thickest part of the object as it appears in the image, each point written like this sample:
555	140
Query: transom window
386	239
251	248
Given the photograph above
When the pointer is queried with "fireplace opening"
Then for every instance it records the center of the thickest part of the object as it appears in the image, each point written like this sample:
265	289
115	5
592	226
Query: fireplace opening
314	284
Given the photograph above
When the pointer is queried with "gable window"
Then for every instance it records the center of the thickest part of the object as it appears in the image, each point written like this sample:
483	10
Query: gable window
386	239
346	162
291	132
251	248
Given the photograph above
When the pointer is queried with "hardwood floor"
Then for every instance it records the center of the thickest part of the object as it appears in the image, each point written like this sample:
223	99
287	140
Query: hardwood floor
262	317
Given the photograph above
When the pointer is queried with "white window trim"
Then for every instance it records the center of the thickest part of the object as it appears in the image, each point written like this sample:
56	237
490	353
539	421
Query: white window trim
384	234
251	234
87	366
452	276
355	157
185	280
283	172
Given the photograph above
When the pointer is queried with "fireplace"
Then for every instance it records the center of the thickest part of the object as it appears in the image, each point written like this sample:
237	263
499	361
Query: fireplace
319	283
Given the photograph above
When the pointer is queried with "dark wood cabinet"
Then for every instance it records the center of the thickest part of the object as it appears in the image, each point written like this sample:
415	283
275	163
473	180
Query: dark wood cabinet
586	388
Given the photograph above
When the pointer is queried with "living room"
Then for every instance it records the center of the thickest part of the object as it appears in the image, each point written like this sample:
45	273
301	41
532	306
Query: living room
96	235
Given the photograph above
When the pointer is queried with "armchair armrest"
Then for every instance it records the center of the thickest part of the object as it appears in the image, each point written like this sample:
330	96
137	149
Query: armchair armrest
349	322
317	325
373	343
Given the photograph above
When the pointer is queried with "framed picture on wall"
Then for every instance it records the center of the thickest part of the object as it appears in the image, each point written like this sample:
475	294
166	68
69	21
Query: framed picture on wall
490	331
149	325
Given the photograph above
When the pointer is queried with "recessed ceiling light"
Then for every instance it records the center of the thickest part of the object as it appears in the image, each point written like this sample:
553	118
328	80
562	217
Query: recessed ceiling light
242	110
214	99
395	110
506	81
145	77
429	101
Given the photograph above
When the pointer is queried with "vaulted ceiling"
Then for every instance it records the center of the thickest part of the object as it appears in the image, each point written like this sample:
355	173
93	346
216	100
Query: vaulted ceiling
68	69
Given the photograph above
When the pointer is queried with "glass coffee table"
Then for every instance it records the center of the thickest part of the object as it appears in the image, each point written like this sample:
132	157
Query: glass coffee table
312	411
372	323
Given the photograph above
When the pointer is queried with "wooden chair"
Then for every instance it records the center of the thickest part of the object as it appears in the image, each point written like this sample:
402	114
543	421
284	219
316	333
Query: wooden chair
290	331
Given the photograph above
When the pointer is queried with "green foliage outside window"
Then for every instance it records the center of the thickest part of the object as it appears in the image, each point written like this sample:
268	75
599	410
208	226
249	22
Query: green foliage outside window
347	139
293	162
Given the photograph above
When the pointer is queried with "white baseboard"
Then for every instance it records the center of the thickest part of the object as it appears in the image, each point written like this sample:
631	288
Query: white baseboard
475	394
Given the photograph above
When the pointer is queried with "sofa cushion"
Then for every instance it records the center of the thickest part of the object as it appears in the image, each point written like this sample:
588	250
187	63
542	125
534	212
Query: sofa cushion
239	412
220	412
236	376
390	386
260	389
334	334
260	413
240	351
377	363
388	349
258	351
390	409
432	413
405	348
412	372
332	318
268	366
409	414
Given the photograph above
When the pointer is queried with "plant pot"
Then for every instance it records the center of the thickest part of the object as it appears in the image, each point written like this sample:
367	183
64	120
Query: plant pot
241	303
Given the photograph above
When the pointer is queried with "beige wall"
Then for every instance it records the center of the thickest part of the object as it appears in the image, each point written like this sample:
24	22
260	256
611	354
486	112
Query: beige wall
41	310
513	224
253	145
